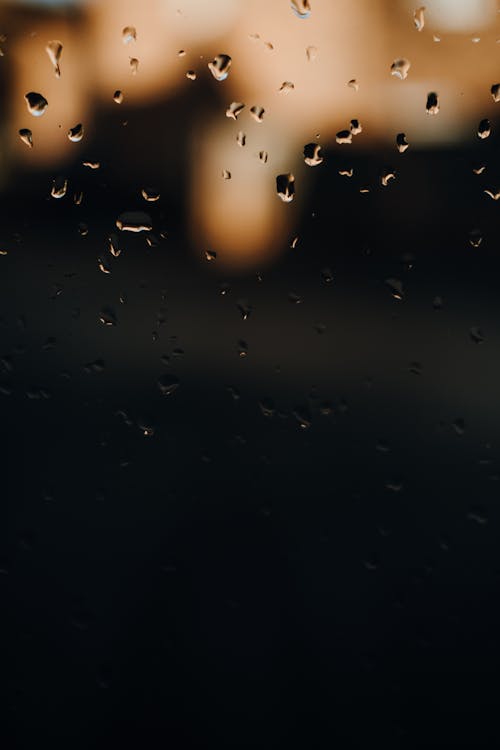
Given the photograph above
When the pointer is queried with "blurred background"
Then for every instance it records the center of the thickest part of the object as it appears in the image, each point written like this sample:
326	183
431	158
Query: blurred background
251	450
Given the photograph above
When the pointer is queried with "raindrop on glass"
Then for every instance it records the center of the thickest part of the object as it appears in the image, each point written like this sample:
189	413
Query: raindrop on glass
311	54
107	316
134	65
129	34
495	92
76	134
327	275
210	255
479	170
285	186
54	51
113	245
103	266
150	194
312	154
400	68
91	164
396	287
191	75
476	335
118	96
286	87
401	143
494	194
168	384
484	129
257	113
234	110
26	136
219	67
242	348
419	18
353	84
475	237
263	156
432	105
386	176
344	136
241	138
355	127
301	8
346	172
134	221
36	103
59	187
226	174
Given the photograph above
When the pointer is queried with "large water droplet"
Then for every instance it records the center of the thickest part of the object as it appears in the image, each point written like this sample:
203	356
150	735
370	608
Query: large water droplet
76	134
257	113
36	103
312	154
219	67
495	92
344	136
419	18
59	187
234	110
134	221
168	384
432	105
400	68
484	129
355	127
285	186
54	51
301	8
26	136
401	143
129	34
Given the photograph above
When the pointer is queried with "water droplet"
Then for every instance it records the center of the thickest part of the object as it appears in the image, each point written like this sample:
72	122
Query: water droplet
129	34
102	266
312	154
400	68
78	198
353	84
344	136
415	368
387	175
134	65
475	237
76	134
54	50
295	299
118	96
263	156
436	38
494	194
113	245
475	39
476	335
26	136
83	229
432	105
484	129
242	348
210	255
479	170
92	164
267	407
437	303
191	75
224	289
241	138
396	287
36	103
168	384
401	143
294	242
59	187
419	18
459	426
219	67
303	417
301	8
226	174
285	186
150	194
257	113
311	54
146	428
478	516
355	127
244	308
234	110
327	275
286	87
346	172
96	366
107	316
495	92
181	53
134	221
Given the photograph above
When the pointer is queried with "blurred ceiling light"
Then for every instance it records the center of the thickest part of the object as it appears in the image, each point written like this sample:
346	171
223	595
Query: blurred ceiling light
460	16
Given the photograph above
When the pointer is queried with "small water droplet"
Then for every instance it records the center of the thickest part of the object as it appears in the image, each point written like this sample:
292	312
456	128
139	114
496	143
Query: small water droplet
478	516
346	172
219	67
263	157
78	198
54	50
242	348
311	53
476	335
244	308
26	136
312	154
495	92
437	303
419	18
355	127
303	417
150	194
436	38
168	384
286	87
484	129
76	134
396	287
36	103
295	299
146	428
241	138
92	164
267	407
107	317
113	245
181	53
83	229
134	65
493	193
224	289
96	366
118	96
459	426
475	39
134	221
226	174
432	105
294	242
475	237
129	34
400	68
327	275
301	8
102	266
401	143
234	110
285	186
210	255
353	84
344	136
257	113
479	170
387	175
191	75
415	368
59	187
